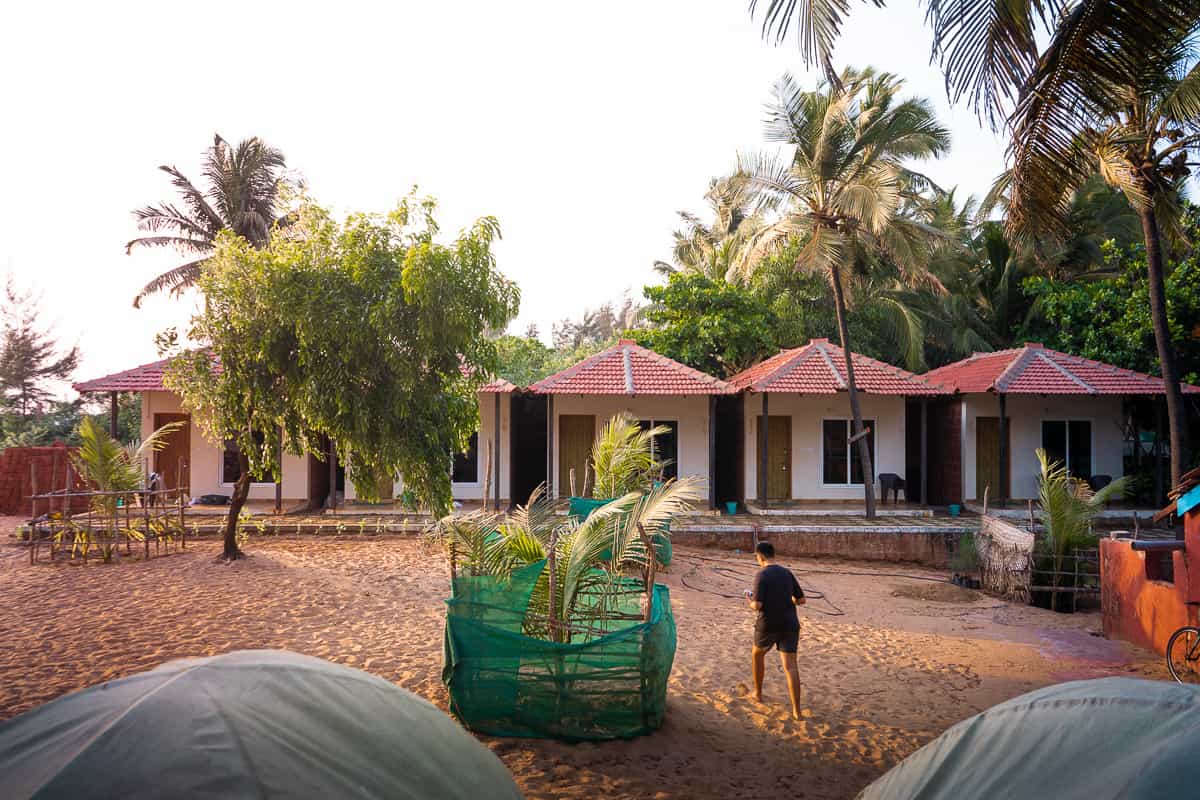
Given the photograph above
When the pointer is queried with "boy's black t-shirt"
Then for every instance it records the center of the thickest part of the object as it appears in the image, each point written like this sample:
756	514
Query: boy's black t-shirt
774	587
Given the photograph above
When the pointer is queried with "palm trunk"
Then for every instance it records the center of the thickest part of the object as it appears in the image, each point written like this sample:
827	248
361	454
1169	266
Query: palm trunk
241	490
864	452
1166	350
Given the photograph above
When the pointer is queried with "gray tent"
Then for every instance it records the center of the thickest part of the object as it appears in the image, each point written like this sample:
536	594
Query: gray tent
255	723
1086	740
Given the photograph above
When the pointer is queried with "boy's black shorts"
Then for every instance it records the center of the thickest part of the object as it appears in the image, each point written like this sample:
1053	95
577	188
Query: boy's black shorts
786	641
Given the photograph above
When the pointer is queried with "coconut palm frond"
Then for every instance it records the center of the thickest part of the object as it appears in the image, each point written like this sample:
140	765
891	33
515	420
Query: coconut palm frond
244	186
623	456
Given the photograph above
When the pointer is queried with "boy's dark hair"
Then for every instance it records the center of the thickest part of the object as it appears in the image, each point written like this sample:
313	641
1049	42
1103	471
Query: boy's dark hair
765	549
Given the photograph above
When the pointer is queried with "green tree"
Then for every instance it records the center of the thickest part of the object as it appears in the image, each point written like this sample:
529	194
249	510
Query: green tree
242	195
717	327
843	189
368	332
31	358
1109	319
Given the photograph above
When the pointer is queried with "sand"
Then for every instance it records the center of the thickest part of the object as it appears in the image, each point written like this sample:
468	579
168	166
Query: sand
888	661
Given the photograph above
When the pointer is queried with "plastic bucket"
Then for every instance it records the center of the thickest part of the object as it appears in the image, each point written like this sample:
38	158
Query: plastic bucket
731	507
955	509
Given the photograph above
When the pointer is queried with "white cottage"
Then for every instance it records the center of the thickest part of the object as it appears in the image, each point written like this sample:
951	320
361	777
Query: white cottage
628	378
797	426
1002	406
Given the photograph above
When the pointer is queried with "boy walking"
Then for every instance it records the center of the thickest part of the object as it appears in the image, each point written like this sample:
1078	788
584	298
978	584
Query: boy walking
775	596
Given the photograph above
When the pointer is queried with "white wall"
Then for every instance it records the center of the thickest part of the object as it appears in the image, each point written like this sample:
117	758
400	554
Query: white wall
1026	413
204	467
690	411
807	413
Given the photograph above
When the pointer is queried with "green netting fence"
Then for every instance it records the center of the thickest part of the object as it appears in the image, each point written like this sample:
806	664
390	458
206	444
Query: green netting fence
609	682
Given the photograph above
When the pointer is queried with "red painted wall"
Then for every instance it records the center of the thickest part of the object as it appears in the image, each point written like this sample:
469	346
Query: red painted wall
1146	612
16	477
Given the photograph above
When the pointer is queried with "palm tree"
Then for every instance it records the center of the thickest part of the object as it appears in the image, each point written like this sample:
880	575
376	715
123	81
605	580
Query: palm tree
1109	87
843	191
716	249
989	53
1139	135
244	184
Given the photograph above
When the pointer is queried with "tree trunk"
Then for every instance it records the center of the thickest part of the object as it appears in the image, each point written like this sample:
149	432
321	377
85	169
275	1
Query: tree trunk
241	490
864	452
1176	410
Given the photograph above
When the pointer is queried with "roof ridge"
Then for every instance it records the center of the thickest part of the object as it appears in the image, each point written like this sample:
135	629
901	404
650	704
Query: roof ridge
1014	368
796	357
829	363
1041	355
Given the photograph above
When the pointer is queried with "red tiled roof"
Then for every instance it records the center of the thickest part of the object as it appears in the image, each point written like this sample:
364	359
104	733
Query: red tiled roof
498	386
146	378
1034	369
629	369
819	367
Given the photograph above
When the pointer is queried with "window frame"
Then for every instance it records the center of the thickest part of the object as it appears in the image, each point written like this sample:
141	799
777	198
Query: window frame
478	481
222	483
654	422
868	422
1067	442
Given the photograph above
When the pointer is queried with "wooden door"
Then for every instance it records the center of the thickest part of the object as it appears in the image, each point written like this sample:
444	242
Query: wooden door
987	458
779	457
575	435
172	462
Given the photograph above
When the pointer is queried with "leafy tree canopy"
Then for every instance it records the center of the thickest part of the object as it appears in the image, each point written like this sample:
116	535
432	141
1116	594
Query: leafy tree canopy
714	326
1109	319
367	331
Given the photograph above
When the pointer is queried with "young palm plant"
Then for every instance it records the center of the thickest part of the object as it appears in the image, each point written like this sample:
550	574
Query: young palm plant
107	466
1069	508
844	191
623	457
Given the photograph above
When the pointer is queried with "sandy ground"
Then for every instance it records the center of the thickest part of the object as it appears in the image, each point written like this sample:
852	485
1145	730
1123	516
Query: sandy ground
888	661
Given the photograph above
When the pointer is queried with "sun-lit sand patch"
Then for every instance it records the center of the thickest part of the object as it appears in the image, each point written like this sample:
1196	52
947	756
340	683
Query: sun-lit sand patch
881	679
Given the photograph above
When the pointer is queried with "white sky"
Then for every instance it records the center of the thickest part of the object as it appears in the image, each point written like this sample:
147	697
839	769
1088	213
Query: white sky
582	127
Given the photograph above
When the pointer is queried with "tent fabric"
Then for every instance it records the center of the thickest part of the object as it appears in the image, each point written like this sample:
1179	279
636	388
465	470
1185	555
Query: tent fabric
252	723
1084	740
608	685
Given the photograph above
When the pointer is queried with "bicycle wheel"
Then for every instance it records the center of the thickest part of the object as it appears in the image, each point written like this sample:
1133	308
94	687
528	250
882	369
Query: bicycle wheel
1183	655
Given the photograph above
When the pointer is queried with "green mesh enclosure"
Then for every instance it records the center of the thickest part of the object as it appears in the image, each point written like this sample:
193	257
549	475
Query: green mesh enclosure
609	684
582	507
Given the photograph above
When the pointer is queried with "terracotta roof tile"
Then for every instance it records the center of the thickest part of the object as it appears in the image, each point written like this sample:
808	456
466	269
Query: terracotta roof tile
629	369
819	367
146	378
1034	369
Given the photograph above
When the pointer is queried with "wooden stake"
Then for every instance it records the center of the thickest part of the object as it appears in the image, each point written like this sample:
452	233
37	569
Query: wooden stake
587	477
651	570
33	509
487	474
572	479
985	499
551	567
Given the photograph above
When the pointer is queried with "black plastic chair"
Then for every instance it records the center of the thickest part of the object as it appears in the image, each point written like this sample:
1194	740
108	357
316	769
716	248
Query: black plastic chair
891	482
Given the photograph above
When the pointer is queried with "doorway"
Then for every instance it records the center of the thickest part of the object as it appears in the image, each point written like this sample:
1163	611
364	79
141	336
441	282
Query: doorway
575	435
527	446
171	462
987	458
779	457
